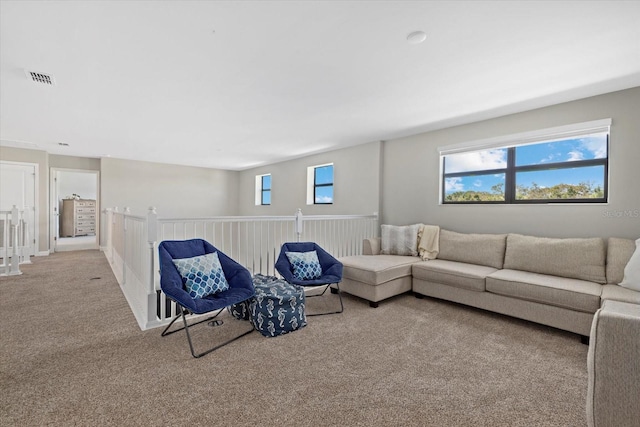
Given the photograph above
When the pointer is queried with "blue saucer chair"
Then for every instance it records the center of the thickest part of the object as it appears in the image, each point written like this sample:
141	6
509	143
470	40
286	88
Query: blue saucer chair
308	265
174	284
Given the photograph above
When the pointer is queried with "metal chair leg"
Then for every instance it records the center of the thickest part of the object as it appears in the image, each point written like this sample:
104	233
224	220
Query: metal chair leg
186	326
182	309
323	292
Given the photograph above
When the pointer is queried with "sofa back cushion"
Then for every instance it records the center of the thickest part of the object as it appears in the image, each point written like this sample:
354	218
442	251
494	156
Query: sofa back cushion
619	253
479	249
577	258
399	240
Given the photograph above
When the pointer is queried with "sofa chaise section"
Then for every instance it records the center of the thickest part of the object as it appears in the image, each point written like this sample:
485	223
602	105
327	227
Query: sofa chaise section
378	277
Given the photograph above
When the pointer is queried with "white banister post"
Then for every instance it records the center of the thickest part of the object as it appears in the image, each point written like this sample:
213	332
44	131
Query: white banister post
152	237
6	237
26	243
376	227
299	221
109	230
14	261
113	219
124	244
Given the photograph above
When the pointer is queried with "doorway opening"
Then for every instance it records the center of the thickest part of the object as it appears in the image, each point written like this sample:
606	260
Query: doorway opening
75	211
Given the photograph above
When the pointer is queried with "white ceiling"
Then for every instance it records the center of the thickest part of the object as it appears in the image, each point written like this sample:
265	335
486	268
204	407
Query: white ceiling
234	85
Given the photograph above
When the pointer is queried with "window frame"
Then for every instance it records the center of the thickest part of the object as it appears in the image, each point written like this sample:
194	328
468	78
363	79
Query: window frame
260	190
511	143
312	184
264	190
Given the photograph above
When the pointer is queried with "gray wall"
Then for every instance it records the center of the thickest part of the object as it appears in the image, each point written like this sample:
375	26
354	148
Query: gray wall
80	183
175	191
410	175
356	184
74	162
73	180
398	178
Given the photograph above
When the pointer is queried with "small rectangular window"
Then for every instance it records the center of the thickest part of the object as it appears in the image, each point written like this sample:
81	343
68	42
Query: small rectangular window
323	185
320	184
565	166
266	190
263	190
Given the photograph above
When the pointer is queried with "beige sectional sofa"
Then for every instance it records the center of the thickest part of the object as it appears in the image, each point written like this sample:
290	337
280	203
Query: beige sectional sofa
555	282
570	284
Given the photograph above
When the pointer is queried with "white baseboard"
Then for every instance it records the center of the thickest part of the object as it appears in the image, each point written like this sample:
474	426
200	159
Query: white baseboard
43	253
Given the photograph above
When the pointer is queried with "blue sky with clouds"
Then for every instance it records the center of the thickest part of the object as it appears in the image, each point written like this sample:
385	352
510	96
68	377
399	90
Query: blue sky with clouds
566	150
324	175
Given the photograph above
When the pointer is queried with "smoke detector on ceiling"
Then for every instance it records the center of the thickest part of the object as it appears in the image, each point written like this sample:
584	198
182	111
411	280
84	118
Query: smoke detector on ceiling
38	77
416	37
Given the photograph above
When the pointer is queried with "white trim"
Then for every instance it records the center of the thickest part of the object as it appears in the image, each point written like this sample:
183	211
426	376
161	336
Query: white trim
529	137
310	181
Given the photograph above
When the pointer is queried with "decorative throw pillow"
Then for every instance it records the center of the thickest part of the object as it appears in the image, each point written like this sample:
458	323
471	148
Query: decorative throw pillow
399	240
632	270
203	274
306	265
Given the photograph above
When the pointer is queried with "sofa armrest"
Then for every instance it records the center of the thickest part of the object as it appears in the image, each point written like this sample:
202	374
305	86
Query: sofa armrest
371	246
612	363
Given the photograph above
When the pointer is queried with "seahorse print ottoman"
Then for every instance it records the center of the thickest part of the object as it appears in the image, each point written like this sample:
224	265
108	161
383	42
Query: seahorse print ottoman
241	309
277	308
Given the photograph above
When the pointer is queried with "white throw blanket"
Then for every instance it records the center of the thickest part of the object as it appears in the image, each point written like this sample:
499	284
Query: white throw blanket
428	242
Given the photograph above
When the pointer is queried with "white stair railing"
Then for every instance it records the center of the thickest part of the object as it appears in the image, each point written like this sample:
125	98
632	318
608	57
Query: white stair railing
254	242
14	241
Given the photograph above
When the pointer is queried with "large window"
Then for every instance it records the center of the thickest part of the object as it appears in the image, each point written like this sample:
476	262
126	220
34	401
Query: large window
263	189
320	184
561	165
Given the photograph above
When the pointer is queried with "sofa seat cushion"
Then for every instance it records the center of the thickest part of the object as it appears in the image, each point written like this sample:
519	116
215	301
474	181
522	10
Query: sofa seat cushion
574	294
453	273
619	293
376	269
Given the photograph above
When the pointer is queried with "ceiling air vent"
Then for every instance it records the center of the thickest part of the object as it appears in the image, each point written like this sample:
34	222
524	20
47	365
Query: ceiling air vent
36	77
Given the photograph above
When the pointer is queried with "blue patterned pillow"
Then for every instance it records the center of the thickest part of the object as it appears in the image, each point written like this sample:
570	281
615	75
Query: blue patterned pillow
305	265
203	273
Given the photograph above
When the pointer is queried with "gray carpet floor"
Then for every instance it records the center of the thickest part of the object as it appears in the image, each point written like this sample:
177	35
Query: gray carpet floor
72	354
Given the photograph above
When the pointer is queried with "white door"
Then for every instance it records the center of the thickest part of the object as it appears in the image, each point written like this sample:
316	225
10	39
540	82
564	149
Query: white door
18	187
